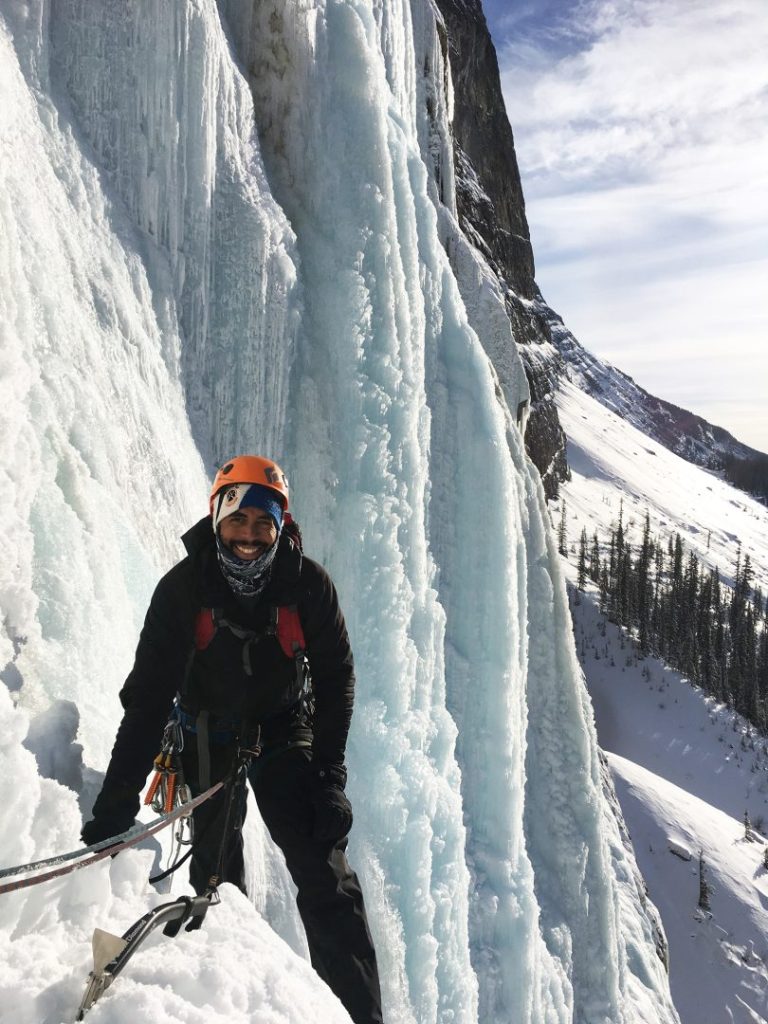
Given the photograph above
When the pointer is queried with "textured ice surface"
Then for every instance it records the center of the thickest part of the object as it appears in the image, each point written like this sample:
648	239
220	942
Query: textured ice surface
96	454
180	313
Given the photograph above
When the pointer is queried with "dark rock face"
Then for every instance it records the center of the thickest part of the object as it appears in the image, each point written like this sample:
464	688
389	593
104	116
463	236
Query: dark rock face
488	181
491	212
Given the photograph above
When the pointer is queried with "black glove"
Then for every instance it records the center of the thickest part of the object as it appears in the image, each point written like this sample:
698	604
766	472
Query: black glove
333	812
113	812
96	830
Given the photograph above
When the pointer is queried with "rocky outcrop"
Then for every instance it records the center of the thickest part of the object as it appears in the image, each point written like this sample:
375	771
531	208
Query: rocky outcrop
491	211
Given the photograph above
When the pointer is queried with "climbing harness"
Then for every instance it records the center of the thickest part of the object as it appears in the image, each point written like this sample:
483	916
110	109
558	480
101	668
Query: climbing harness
168	765
284	624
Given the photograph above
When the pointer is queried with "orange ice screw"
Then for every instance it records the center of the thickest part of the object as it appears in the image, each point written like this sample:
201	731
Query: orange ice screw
153	786
170	792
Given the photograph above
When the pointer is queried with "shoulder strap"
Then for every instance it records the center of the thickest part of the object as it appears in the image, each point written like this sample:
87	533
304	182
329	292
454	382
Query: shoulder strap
289	631
205	628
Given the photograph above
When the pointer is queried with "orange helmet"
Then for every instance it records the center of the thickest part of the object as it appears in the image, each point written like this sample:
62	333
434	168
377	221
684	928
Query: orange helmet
251	469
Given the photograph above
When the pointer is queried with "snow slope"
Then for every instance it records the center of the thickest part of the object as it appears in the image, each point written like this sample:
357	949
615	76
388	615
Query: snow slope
612	461
722	973
176	286
685	769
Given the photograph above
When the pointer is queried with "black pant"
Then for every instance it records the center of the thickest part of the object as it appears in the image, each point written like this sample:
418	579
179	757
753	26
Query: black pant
330	900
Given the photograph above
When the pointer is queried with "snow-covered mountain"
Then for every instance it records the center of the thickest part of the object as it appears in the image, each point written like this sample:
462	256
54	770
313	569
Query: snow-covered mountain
613	462
235	227
682	432
685	769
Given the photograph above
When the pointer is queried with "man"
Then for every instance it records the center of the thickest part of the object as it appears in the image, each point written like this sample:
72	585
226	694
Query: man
229	633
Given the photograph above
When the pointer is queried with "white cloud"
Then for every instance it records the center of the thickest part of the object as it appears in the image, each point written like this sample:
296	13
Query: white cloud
696	339
645	167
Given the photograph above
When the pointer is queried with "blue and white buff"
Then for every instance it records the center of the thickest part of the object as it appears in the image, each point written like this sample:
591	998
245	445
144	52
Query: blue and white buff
246	579
231	499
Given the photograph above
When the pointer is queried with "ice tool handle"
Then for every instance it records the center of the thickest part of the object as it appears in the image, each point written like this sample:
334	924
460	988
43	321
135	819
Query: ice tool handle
186	910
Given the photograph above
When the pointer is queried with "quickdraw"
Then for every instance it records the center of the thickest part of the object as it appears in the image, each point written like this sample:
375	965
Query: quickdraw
168	788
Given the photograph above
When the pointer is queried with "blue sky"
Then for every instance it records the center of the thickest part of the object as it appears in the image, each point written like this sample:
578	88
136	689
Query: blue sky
640	128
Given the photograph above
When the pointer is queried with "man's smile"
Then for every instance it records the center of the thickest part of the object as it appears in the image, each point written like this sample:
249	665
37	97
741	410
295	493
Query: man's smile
248	552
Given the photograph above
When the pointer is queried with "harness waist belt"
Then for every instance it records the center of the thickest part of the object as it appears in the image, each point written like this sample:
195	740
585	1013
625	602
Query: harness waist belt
221	730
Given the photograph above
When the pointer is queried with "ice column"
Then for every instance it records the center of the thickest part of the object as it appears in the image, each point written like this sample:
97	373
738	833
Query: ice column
346	168
170	120
96	457
558	891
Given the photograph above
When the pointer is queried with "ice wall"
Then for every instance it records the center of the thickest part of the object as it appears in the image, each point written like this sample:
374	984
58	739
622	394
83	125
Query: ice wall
401	314
146	219
97	461
309	292
170	123
131	192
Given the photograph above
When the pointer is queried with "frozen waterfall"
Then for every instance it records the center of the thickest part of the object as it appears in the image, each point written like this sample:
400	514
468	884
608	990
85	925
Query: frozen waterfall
232	228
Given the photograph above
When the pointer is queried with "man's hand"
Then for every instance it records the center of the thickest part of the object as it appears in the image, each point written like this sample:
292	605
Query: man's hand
333	811
98	829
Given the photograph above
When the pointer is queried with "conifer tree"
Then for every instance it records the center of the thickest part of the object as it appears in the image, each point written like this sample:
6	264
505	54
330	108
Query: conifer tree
604	587
705	890
624	587
643	586
741	639
594	559
719	641
689	653
581	580
762	666
676	599
612	555
704	635
656	615
749	835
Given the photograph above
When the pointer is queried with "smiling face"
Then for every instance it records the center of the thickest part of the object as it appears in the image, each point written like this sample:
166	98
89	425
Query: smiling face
248	533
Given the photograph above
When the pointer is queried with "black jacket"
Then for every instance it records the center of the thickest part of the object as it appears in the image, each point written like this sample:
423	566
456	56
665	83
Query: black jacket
167	662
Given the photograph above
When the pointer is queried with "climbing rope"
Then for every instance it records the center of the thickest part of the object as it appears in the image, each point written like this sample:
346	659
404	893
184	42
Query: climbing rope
106	848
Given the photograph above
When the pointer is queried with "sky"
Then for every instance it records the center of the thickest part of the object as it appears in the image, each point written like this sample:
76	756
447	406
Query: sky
640	130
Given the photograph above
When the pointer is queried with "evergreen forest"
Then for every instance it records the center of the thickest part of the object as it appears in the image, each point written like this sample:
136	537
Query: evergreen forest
681	611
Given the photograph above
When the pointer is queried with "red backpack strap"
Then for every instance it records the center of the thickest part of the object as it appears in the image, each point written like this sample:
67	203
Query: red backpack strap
205	628
289	632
